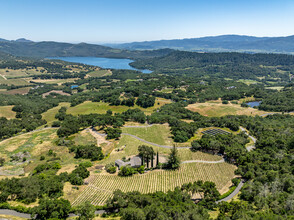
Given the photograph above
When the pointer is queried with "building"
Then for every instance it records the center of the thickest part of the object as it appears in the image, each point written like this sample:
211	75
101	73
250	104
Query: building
134	162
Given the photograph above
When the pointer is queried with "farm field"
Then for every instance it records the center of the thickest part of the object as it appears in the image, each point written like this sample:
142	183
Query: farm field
6	111
16	82
217	109
101	186
100	73
20	91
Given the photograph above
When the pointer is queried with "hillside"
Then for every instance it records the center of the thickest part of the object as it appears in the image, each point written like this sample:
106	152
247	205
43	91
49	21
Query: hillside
27	48
221	43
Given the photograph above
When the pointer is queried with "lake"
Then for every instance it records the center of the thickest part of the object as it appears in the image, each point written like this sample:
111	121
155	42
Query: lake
107	63
253	104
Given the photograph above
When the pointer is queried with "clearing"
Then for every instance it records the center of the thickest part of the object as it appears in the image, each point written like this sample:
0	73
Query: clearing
6	111
217	109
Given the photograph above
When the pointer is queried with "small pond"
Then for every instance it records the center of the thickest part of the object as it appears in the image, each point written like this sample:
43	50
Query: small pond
253	104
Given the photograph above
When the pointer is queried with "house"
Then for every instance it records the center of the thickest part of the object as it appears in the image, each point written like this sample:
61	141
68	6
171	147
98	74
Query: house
134	162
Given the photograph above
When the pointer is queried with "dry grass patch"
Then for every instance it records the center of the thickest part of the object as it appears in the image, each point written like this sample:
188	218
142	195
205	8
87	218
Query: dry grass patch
217	109
6	111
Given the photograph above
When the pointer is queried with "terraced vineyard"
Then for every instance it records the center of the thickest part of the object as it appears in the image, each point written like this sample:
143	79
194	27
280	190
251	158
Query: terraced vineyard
101	186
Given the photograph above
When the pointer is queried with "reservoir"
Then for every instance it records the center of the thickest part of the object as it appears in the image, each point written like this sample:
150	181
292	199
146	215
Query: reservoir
253	104
107	63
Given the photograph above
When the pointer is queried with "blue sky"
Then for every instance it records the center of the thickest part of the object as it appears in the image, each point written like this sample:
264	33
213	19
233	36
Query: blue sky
100	21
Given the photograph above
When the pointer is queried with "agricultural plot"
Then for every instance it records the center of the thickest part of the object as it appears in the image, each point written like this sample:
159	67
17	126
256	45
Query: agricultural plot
22	91
101	186
16	82
215	131
100	73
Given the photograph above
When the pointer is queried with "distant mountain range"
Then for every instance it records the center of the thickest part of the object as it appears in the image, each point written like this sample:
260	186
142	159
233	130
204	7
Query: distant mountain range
148	49
26	48
222	43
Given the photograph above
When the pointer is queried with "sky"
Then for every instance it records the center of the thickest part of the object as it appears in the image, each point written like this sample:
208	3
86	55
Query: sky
117	21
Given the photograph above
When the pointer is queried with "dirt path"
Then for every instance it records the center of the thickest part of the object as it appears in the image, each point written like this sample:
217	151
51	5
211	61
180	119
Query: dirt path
203	161
251	147
4	77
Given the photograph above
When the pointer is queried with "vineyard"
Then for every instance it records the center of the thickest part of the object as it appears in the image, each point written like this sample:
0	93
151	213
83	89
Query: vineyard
101	186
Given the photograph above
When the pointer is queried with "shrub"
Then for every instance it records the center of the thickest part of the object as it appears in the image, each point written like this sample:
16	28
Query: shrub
126	171
110	168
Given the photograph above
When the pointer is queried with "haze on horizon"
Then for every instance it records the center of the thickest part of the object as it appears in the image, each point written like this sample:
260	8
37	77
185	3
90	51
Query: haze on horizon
116	21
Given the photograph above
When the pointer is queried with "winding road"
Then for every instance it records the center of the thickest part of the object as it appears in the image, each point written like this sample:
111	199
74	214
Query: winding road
229	197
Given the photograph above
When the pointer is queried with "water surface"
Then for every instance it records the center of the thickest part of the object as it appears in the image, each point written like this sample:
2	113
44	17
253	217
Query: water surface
253	104
107	63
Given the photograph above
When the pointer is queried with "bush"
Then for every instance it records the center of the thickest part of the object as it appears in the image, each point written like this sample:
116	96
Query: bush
56	124
126	171
110	168
225	102
86	164
88	152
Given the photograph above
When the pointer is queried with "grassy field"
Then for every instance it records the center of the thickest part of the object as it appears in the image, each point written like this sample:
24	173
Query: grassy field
36	144
159	134
248	81
217	109
279	88
131	148
84	138
101	107
16	82
100	73
49	116
6	111
101	186
54	81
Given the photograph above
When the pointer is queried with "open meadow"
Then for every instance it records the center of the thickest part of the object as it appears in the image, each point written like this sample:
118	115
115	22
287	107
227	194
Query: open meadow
6	111
217	109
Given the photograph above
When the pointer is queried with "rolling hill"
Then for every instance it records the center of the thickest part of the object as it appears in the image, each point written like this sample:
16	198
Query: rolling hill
222	43
26	48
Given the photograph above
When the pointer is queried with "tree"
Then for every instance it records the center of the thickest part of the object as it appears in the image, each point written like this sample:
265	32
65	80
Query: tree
86	211
146	153
132	214
55	208
157	159
110	168
173	159
2	161
126	171
113	133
